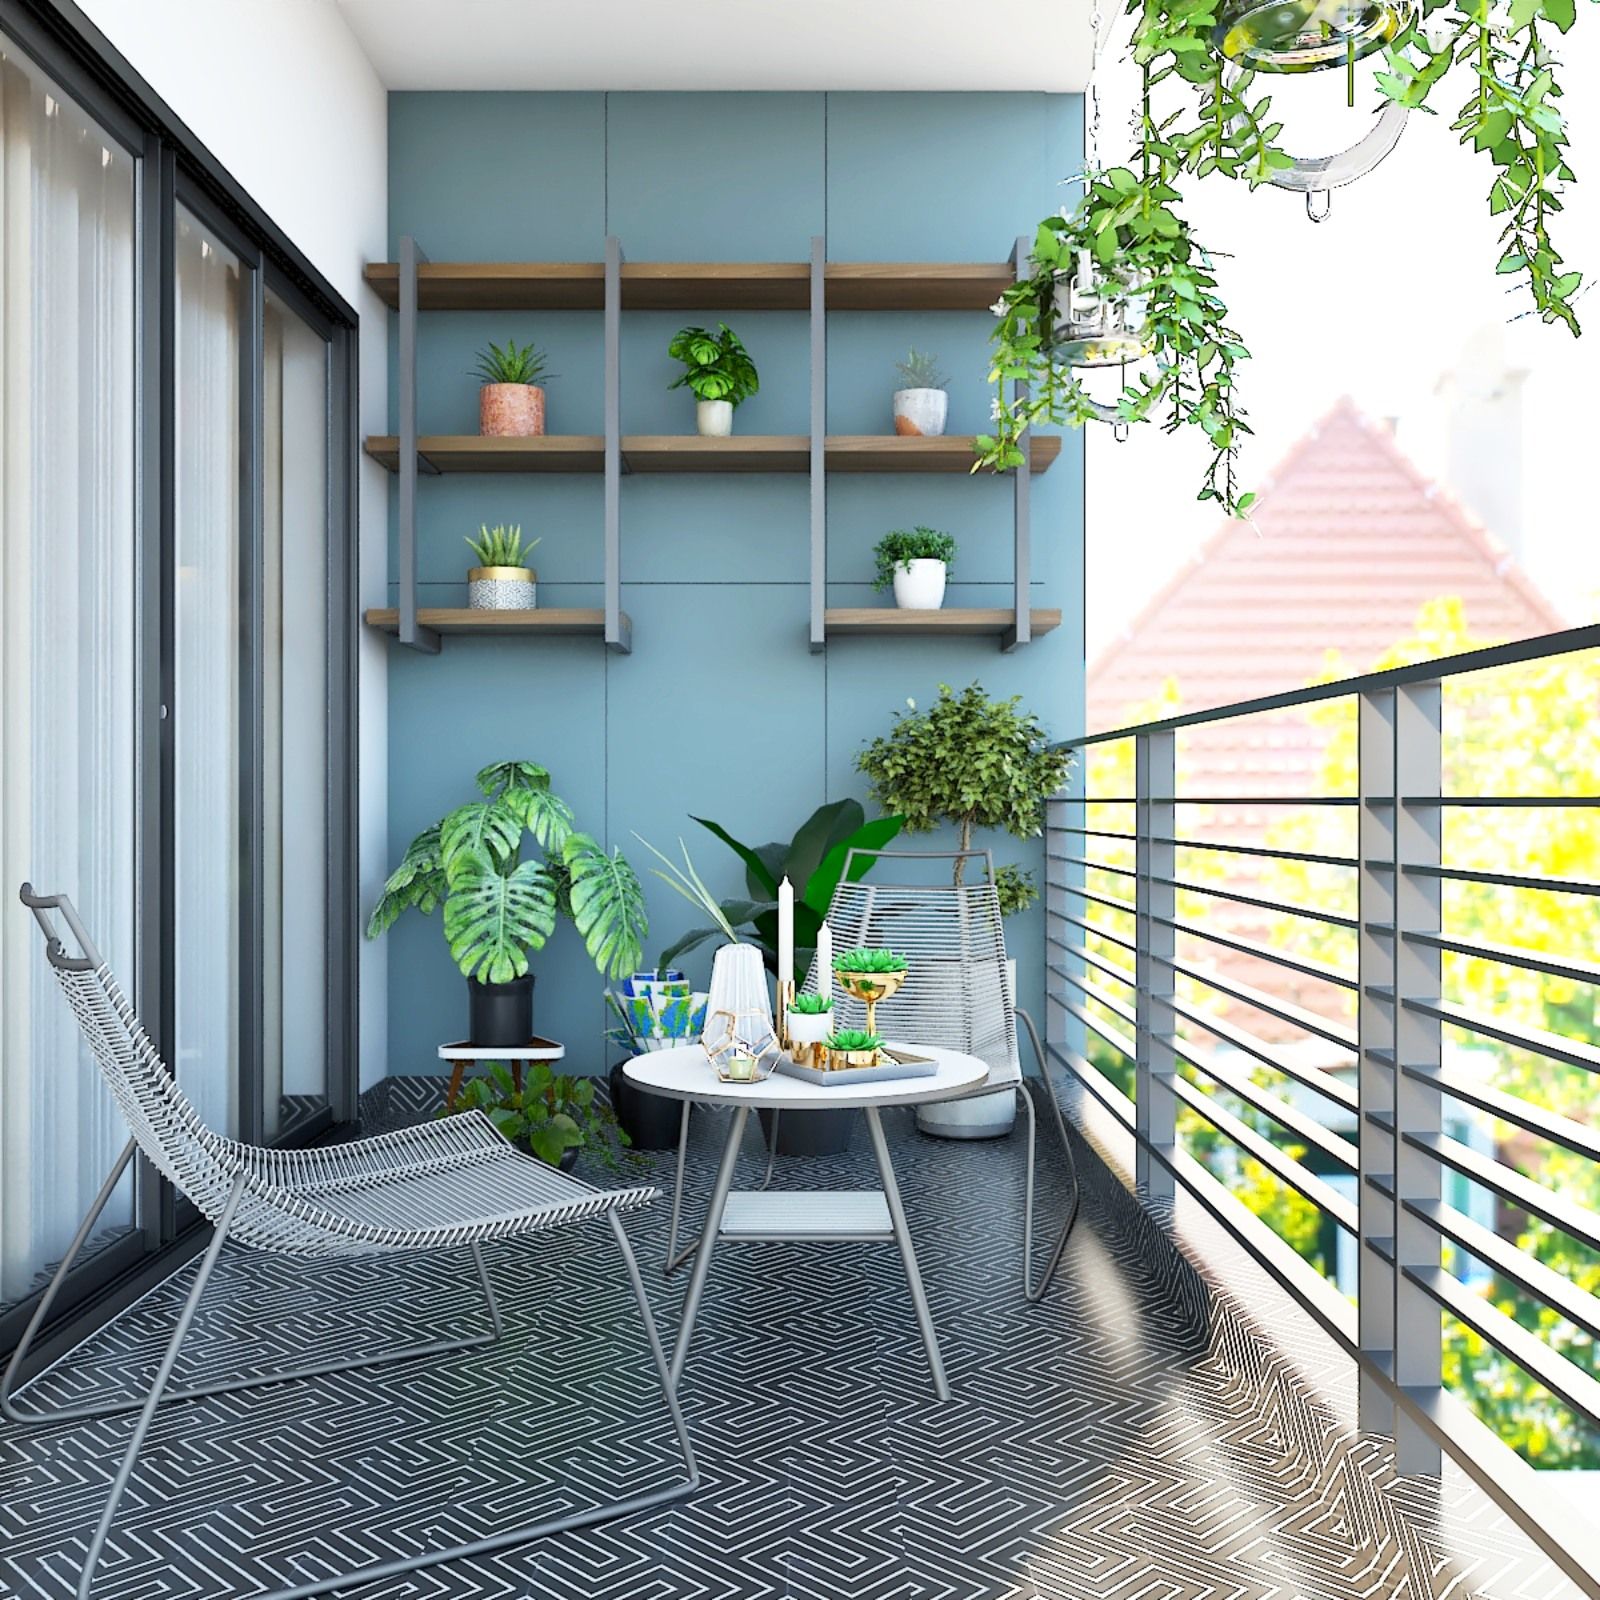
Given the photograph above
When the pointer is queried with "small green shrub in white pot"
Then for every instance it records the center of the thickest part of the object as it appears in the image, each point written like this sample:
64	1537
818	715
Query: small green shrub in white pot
916	562
920	403
719	371
502	580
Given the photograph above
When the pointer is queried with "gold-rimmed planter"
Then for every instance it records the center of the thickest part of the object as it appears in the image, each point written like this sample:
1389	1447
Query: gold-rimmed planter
502	589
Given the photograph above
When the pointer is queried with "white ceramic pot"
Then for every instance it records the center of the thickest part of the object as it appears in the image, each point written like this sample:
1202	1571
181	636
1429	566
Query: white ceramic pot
920	412
981	1116
502	589
919	585
810	1027
714	418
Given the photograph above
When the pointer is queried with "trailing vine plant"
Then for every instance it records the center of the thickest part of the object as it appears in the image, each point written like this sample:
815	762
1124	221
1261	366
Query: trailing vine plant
1148	260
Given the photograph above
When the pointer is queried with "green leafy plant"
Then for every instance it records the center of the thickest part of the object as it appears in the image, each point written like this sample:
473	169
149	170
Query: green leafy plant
501	546
1148	262
512	364
812	1005
854	1039
869	961
498	906
813	862
551	1114
901	545
921	371
972	762
716	365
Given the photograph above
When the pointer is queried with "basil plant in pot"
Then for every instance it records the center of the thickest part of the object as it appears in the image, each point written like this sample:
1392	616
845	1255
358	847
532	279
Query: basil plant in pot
719	372
482	863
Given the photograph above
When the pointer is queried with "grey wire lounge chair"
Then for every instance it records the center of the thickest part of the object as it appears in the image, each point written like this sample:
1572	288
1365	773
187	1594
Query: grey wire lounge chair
451	1183
957	994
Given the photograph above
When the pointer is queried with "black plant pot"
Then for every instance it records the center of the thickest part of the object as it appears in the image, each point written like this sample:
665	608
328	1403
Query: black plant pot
650	1120
811	1133
500	1013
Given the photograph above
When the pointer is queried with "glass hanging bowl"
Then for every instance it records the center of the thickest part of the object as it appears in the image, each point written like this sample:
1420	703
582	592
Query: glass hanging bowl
1304	35
1100	315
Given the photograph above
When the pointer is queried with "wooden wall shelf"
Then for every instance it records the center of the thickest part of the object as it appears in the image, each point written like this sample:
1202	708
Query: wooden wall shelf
696	286
688	452
996	620
458	619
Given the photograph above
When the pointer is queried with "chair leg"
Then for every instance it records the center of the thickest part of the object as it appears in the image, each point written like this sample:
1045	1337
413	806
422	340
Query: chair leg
1034	1290
153	1399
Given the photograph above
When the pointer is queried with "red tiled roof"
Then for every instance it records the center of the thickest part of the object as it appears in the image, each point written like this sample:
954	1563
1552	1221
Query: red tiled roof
1352	540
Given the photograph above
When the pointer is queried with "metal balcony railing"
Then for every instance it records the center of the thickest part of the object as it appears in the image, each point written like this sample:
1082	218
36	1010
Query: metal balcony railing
1272	994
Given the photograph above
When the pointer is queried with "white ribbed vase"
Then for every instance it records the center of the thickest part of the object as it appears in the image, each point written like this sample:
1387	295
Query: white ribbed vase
739	985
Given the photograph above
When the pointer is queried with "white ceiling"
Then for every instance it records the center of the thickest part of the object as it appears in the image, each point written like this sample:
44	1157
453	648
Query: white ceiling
724	44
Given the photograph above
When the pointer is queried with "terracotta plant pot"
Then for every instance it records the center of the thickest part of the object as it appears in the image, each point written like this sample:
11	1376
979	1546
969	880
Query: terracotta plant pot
510	411
920	413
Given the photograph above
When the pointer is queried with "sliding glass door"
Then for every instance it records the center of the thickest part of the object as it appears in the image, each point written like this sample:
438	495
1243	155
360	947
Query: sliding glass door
68	663
176	659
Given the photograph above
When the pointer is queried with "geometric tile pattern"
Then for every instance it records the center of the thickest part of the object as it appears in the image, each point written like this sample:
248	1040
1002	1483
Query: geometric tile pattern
1134	1436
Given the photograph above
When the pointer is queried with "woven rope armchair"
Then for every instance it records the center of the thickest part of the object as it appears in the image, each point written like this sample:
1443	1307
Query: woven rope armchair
454	1183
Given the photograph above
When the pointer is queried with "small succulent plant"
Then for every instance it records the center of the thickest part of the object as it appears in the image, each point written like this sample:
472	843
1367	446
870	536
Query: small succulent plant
870	961
854	1040
812	1005
500	546
513	364
921	371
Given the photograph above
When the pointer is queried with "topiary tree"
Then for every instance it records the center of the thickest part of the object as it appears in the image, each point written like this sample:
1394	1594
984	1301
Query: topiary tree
973	762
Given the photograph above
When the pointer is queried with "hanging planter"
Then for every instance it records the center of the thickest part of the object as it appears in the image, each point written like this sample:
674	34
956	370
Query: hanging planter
1119	281
1304	35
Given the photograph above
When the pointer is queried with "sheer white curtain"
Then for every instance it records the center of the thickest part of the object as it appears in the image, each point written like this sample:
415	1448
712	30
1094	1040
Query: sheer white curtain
67	662
206	673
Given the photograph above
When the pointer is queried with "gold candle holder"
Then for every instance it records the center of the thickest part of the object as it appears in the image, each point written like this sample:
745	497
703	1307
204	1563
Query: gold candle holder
786	992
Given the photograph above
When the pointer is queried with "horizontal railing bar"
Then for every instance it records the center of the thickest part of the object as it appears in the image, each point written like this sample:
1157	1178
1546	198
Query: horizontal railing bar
1498	880
1323	1083
1518	1266
1090	927
1563	1378
1117	1008
1536	802
1512	653
1248	947
1509	955
1094	1080
1551	1126
1093	800
1553	1046
1259	852
1127	907
1328	918
1283	1010
1256	800
1282	1166
1098	833
1104	1029
1092	866
1579	1221
1253	1095
1110	968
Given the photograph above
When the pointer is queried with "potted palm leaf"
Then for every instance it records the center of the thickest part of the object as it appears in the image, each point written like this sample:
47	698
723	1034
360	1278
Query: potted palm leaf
501	581
511	400
719	371
482	863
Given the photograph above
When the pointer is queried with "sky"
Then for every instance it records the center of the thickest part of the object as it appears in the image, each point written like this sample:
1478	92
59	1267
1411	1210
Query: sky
1395	291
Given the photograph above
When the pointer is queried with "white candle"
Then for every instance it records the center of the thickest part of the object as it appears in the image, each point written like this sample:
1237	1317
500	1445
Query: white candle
825	961
785	932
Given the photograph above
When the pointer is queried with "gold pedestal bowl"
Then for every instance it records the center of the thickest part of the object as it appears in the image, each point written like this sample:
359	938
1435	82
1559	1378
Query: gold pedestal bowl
871	987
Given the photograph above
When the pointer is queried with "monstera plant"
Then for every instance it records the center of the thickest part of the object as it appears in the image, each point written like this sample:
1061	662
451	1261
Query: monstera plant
505	867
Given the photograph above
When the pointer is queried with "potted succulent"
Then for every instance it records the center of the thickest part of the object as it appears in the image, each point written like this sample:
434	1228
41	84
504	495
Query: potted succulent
920	403
552	1116
511	401
854	1047
500	581
718	368
916	561
810	1021
498	907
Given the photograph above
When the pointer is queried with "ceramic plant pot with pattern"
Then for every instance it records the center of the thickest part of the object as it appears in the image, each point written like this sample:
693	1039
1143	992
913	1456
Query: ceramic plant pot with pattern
920	413
502	588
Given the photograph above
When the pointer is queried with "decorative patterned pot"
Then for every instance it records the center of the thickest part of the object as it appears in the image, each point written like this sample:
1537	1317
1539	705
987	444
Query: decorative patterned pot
714	418
919	585
510	411
920	413
502	589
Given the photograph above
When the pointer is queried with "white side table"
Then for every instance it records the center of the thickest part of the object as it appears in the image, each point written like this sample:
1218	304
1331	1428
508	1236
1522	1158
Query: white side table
839	1214
462	1055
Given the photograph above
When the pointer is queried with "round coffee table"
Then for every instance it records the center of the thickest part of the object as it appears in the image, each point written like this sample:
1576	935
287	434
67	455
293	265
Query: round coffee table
831	1214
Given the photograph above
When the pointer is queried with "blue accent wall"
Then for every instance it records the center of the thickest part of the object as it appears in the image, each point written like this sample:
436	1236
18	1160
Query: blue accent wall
721	710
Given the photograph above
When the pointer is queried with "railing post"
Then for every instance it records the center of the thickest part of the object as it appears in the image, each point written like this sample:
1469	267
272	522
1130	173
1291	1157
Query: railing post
1419	841
1155	789
1375	1072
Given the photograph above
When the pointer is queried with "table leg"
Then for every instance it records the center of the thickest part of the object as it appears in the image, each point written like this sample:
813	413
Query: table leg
457	1068
902	1235
702	1260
